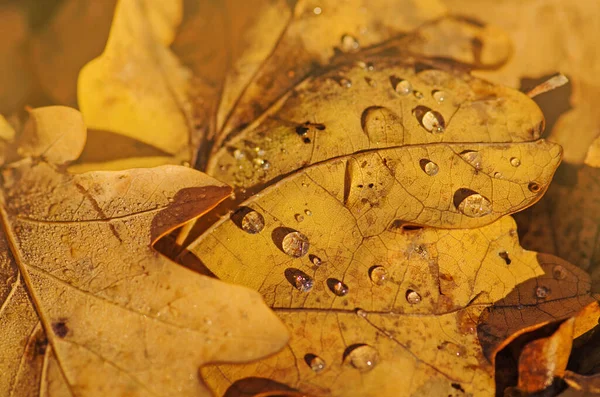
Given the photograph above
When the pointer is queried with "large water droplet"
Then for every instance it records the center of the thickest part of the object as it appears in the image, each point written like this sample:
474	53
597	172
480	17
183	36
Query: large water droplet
439	96
253	222
431	120
316	363
363	357
472	204
378	275
401	86
413	297
542	292
429	167
337	287
349	43
295	244
515	161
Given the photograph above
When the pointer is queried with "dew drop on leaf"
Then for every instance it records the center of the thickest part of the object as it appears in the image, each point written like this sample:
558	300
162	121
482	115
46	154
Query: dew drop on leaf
515	161
439	96
452	348
298	217
349	43
429	167
378	275
542	292
472	204
418	94
363	357
300	280
472	157
315	260
316	363
432	121
337	287
402	87
344	82
559	272
308	212
295	244
413	297
253	222
238	154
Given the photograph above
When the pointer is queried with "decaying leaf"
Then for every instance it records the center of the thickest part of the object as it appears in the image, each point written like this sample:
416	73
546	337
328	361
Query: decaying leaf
353	108
88	307
398	313
137	87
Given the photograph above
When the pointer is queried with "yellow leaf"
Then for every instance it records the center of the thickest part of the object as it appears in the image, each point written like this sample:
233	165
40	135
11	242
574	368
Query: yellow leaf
87	307
137	87
406	312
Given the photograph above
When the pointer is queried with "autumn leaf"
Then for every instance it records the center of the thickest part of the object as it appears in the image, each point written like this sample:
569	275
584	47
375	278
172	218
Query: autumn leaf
119	91
88	307
403	307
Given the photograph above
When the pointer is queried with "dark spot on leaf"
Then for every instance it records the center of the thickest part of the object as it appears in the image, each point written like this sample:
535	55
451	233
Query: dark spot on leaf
60	328
306	140
458	387
504	255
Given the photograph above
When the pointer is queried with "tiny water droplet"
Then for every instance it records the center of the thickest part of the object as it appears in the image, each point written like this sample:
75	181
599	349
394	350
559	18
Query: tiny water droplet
413	297
253	222
364	358
308	212
238	154
515	161
349	43
378	275
317	10
498	175
559	272
361	313
344	82
542	292
298	217
315	260
295	244
432	121
429	167
452	348
475	205
418	94
534	187
337	287
439	96
472	157
317	364
402	87
266	165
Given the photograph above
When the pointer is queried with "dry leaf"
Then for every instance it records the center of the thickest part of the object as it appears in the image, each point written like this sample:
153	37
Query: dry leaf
353	108
137	87
88	307
398	313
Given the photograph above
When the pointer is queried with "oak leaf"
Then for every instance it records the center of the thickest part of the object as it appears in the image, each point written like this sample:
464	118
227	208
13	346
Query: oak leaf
87	306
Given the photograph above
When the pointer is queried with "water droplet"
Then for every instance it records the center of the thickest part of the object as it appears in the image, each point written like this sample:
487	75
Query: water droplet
418	94
439	96
349	43
542	292
452	348
238	154
363	357
316	363
361	313
298	217
300	280
315	260
431	120
344	82
253	222
472	204
317	10
413	297
402	87
472	157
534	187
337	287
378	275
498	175
515	162
308	212
295	244
429	167
266	165
559	272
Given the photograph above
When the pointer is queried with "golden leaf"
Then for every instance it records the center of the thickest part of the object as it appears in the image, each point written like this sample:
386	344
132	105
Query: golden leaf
87	306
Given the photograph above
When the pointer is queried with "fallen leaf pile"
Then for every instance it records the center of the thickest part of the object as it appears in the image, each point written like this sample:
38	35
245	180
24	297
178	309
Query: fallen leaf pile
295	198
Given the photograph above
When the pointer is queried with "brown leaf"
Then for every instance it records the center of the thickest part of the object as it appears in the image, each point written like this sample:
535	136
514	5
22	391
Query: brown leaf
88	307
399	313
